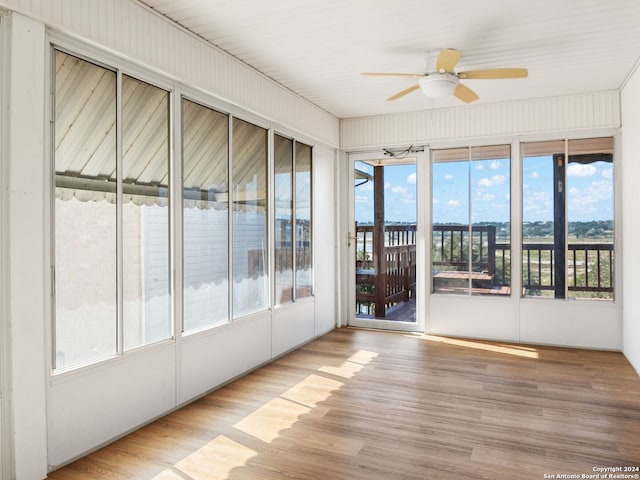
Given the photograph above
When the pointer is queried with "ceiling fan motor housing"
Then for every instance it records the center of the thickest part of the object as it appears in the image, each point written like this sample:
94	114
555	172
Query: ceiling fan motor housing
438	85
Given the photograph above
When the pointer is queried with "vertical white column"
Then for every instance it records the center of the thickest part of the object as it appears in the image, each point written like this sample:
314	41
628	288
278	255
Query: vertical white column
6	442
423	236
325	238
27	241
176	225
516	233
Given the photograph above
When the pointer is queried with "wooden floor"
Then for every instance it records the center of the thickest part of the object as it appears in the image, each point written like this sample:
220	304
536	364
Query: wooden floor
363	405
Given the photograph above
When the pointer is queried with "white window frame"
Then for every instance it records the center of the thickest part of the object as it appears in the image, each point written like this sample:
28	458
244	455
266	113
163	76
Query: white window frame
96	58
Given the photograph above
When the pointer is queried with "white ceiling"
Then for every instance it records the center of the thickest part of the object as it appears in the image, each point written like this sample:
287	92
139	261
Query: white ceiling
319	48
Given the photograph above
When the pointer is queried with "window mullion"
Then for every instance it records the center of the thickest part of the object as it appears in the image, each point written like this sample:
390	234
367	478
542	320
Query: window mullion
469	212
565	267
230	210
176	225
294	228
119	216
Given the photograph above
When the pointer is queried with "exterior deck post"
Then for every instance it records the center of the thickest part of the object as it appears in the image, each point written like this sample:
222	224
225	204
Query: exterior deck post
379	257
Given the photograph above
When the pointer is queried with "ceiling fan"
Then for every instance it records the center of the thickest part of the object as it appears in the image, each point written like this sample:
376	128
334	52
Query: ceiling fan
445	81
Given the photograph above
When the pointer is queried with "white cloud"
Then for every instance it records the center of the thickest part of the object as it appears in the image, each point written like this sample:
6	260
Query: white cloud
487	197
495	165
387	185
453	203
607	173
579	170
534	175
537	206
411	179
479	166
448	176
399	190
435	201
493	181
594	201
600	190
362	199
544	196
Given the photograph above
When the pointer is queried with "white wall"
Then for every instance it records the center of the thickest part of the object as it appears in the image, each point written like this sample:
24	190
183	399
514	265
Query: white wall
630	101
325	229
91	406
538	116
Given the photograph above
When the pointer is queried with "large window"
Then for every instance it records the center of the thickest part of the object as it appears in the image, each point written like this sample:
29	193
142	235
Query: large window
304	274
471	240
111	242
85	212
145	213
250	250
292	220
112	220
283	192
567	219
205	172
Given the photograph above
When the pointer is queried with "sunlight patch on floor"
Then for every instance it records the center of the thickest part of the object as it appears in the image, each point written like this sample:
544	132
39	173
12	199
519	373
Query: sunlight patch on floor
363	357
345	370
351	366
269	420
169	475
312	390
213	461
517	350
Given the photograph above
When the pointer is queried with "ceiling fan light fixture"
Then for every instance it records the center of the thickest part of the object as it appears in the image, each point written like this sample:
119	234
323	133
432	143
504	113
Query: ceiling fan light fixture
437	85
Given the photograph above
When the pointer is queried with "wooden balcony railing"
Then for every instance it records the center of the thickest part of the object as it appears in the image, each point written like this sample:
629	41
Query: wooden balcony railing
375	291
589	266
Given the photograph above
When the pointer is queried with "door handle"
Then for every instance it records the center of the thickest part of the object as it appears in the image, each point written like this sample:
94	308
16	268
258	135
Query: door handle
349	238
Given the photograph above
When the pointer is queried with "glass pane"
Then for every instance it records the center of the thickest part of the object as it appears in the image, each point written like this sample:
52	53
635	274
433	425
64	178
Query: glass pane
145	213
283	165
590	254
250	279
542	238
205	172
385	239
85	212
491	220
450	219
304	273
363	231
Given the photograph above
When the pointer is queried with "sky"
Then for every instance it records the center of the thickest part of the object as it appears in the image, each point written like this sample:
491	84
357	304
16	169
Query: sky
399	194
589	190
487	184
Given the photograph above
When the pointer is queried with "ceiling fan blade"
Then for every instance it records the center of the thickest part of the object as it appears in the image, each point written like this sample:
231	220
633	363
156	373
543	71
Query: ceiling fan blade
495	73
465	94
447	60
382	74
404	92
